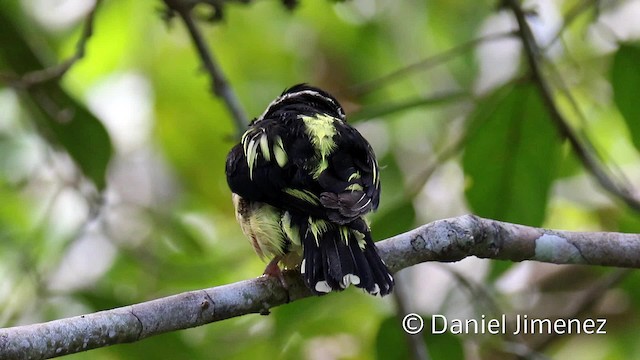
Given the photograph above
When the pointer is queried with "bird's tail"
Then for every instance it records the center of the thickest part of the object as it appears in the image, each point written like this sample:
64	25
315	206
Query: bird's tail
336	256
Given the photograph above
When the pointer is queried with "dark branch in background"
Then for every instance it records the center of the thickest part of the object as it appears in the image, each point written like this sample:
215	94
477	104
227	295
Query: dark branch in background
443	240
373	110
452	148
219	84
57	71
484	302
555	76
586	157
584	303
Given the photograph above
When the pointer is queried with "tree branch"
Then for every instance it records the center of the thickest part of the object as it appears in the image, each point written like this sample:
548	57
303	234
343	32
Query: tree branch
444	240
57	71
219	84
591	163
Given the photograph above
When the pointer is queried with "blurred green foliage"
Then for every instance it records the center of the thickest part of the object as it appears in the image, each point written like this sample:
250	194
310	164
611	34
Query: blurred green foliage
625	79
62	120
514	131
91	220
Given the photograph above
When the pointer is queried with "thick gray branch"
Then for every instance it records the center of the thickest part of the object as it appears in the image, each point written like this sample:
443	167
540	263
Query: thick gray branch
443	240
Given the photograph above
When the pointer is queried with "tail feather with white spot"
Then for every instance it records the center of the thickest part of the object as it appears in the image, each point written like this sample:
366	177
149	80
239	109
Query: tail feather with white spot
341	256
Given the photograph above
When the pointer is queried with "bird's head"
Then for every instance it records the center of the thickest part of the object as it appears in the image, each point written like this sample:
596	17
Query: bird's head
304	99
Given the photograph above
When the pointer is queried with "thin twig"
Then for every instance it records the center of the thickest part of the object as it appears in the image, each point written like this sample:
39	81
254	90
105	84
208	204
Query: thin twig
57	71
415	184
219	84
373	111
533	54
570	17
585	302
427	63
479	296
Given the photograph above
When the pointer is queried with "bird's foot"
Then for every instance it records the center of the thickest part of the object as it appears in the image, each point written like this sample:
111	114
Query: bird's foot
274	270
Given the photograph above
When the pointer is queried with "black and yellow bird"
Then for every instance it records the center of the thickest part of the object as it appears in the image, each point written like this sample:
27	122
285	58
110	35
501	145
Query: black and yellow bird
302	180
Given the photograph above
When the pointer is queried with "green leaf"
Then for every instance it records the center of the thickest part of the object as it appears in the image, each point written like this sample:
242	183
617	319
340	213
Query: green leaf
443	346
625	79
392	342
60	119
394	220
498	268
396	213
511	156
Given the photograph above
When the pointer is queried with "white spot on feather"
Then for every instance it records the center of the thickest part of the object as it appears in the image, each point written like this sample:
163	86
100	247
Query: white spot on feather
323	287
376	290
350	279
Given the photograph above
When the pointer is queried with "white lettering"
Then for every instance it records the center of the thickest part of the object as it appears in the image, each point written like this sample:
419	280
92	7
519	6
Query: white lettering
434	330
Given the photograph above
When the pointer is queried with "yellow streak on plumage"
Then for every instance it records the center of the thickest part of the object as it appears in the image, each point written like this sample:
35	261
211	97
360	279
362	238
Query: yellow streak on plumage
261	223
317	228
304	195
360	239
256	143
264	147
245	141
279	153
251	152
244	138
321	130
356	175
344	234
355	187
292	231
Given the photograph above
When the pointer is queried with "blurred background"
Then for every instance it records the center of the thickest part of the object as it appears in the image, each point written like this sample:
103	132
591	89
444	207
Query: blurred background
112	186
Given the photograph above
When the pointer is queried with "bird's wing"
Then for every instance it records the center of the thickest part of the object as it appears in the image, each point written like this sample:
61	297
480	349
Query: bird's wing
330	172
351	181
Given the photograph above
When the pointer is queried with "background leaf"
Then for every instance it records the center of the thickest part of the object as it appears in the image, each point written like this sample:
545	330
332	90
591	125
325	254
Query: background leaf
625	80
61	119
511	156
391	342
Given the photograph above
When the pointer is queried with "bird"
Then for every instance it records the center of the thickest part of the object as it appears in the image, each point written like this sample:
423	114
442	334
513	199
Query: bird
302	180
